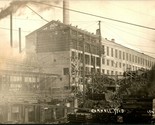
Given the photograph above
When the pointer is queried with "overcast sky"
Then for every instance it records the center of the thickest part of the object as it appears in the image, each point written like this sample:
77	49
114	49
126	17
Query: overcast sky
141	12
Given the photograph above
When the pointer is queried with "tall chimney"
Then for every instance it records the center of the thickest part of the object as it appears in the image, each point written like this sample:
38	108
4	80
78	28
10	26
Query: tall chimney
20	48
65	11
11	36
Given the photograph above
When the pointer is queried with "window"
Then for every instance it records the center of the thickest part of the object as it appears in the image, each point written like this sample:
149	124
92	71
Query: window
27	79
120	54
92	60
103	61
98	70
33	79
107	62
79	45
80	56
123	65
130	67
149	63
126	56
138	60
87	47
133	59
112	54
123	55
127	66
130	57
103	49
98	61
108	72
112	63
120	65
116	64
87	59
112	72
103	71
87	70
143	61
92	70
107	51
65	71
73	55
116	53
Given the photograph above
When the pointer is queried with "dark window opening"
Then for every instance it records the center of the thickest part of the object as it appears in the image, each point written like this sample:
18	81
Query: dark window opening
66	71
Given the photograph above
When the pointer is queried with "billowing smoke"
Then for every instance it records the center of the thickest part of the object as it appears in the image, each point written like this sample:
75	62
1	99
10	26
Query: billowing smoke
15	5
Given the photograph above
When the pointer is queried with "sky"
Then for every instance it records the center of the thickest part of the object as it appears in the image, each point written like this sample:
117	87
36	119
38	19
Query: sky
141	12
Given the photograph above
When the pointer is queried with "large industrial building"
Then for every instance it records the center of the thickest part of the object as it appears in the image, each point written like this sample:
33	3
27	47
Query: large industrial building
118	59
64	49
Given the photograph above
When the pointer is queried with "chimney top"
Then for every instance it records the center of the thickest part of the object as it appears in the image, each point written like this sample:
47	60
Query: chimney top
65	11
112	40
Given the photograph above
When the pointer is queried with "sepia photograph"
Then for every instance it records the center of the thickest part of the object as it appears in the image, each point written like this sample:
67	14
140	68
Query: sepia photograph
77	62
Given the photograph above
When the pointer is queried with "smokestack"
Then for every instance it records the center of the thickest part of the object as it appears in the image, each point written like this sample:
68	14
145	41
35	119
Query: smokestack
20	49
65	11
11	37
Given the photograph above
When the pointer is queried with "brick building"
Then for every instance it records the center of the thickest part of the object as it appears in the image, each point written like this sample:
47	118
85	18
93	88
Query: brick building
59	48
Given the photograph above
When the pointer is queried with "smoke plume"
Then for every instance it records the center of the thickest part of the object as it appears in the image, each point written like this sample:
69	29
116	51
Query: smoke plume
15	5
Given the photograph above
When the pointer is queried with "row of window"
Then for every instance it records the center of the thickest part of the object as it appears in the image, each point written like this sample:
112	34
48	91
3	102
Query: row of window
114	64
89	60
78	44
128	57
20	79
111	72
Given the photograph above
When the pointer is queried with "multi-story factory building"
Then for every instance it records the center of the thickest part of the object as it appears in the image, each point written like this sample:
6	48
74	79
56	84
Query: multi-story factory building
59	48
63	49
118	59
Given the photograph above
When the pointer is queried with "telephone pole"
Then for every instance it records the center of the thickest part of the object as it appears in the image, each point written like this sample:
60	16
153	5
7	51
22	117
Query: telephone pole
11	31
100	46
83	70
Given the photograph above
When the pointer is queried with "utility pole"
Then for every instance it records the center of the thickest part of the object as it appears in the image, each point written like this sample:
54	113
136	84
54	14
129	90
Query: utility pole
100	46
11	33
83	70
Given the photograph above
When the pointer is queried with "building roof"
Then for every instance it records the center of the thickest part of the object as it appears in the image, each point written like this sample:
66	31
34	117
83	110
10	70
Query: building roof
66	25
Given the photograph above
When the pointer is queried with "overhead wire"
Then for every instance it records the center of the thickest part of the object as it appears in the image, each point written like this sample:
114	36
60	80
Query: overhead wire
13	29
37	14
46	20
129	44
90	14
120	28
135	11
89	25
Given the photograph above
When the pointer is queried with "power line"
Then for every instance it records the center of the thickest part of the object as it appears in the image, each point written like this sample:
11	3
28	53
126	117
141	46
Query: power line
146	27
37	14
135	11
13	29
139	36
27	19
129	44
